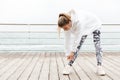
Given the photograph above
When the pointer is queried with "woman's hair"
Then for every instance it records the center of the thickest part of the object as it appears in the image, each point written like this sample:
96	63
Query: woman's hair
63	20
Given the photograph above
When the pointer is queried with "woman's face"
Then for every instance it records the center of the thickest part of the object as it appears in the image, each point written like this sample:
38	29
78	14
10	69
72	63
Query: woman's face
67	26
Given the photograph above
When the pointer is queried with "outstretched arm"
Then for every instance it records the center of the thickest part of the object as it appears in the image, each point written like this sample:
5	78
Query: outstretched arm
67	42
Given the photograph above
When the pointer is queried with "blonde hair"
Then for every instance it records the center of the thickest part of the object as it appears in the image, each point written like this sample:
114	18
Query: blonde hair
62	21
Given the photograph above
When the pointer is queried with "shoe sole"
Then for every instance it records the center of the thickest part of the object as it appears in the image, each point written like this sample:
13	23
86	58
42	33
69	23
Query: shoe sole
100	74
65	74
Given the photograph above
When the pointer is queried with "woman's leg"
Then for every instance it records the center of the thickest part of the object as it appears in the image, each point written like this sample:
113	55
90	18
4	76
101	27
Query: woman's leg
78	48
97	43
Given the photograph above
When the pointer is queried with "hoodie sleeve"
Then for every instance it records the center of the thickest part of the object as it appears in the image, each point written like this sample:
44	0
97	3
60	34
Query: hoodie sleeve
76	43
67	42
77	29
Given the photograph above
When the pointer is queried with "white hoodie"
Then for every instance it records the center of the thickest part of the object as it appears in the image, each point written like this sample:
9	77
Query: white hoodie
83	23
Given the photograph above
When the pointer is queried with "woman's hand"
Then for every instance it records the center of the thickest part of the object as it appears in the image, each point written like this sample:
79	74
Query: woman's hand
70	56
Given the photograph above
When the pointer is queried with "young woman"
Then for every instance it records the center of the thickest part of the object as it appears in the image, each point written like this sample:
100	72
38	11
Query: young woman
80	26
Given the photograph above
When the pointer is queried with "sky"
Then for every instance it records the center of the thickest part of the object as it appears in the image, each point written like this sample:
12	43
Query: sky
46	11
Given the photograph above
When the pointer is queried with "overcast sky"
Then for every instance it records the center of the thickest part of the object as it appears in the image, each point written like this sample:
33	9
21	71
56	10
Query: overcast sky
46	11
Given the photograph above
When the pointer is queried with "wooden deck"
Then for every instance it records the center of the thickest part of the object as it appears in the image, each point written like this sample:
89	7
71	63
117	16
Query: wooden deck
49	66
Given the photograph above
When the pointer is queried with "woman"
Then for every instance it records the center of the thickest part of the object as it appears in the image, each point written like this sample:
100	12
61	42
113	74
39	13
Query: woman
80	26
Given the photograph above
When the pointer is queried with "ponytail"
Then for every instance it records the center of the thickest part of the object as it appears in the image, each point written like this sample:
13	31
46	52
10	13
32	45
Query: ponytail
65	15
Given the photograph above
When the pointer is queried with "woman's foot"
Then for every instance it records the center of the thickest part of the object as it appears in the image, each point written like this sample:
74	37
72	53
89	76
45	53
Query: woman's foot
100	71
67	70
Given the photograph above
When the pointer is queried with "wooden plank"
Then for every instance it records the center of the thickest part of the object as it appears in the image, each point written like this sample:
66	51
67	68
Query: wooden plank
44	75
53	68
113	61
6	68
21	69
13	67
3	57
8	58
4	54
61	66
109	71
94	67
9	63
114	57
49	66
83	63
80	72
27	72
36	72
73	75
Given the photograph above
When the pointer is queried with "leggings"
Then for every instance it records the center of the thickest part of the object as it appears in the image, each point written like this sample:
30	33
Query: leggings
96	40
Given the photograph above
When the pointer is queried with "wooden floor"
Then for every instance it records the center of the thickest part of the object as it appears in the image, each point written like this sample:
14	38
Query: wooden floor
49	66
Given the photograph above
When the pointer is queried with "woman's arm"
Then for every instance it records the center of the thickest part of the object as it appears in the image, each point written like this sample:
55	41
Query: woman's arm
74	49
67	42
76	43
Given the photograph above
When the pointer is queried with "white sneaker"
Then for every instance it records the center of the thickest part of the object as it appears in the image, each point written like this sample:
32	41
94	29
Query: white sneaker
100	71
67	70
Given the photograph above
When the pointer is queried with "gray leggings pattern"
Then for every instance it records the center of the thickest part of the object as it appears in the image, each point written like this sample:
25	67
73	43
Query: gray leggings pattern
96	40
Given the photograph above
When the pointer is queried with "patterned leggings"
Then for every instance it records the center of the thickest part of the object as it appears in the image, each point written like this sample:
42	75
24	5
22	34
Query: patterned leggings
96	39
